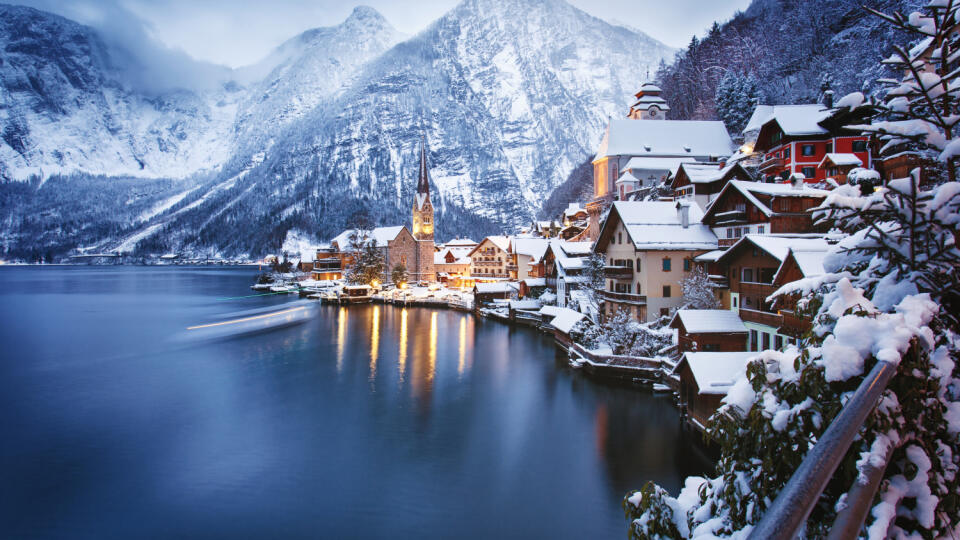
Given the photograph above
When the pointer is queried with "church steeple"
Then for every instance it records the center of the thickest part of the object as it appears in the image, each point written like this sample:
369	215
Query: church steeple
423	184
422	208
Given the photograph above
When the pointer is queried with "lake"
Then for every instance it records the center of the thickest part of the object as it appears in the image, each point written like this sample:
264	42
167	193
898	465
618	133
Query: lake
365	422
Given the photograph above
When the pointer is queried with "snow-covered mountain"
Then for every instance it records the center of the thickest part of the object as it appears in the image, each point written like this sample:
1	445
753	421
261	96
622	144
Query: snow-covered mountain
512	95
67	105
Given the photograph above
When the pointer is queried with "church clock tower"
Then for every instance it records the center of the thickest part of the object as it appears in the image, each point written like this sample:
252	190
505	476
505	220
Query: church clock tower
423	223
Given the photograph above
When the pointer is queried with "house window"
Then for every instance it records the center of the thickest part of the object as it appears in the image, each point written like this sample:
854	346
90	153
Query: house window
748	274
829	148
753	340
729	233
760	229
619	238
666	264
778	342
664	312
766	341
638	264
786	153
808	150
766	275
809	172
686	265
734	301
859	146
666	291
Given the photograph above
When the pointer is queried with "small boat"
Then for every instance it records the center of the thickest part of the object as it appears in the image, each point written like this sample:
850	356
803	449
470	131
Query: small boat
240	323
284	288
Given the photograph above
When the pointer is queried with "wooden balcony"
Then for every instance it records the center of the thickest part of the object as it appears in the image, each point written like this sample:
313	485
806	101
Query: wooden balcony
618	272
754	288
766	318
772	163
624	298
794	325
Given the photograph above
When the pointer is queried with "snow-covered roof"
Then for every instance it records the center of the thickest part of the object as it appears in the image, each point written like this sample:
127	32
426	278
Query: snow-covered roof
799	120
570	263
704	173
498	287
716	372
573	209
502	242
665	138
465	242
551	311
657	225
710	256
525	304
709	321
759	117
536	282
841	160
779	245
809	261
649	87
575	248
655	164
382	236
628	178
531	247
748	189
460	257
566	319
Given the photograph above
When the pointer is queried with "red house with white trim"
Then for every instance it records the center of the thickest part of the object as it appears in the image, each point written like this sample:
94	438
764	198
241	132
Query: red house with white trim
797	138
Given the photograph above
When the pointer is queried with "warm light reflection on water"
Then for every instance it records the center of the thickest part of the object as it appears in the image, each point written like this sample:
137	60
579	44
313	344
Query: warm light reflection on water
341	337
432	354
402	357
374	342
463	345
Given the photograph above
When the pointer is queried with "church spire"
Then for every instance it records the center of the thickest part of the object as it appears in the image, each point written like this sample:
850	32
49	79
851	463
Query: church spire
423	184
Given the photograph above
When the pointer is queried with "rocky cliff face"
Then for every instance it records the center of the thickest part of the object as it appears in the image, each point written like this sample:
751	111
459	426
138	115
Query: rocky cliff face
511	95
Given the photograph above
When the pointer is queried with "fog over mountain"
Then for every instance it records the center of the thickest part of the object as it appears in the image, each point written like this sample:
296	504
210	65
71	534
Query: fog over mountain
511	96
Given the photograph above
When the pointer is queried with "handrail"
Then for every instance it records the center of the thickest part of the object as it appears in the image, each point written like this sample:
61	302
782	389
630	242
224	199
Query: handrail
793	505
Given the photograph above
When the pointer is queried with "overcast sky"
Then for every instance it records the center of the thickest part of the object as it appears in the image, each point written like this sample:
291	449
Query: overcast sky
241	32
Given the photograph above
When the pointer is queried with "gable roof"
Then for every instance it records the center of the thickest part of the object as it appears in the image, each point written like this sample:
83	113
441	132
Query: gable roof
798	120
778	245
566	319
705	173
709	321
627	177
749	189
665	138
808	260
841	160
656	163
531	247
715	372
381	235
655	225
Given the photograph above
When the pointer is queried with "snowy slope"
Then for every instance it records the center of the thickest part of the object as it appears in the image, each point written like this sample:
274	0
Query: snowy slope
512	95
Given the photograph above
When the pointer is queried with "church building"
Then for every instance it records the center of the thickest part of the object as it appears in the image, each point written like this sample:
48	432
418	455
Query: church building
423	269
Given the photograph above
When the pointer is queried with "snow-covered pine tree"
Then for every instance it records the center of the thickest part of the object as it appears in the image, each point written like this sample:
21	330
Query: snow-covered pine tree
919	114
736	98
593	272
698	291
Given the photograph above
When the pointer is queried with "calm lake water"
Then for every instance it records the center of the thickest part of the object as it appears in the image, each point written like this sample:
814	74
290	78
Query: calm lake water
366	422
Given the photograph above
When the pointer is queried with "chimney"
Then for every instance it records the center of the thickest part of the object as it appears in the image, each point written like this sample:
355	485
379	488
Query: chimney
723	163
797	180
683	212
828	99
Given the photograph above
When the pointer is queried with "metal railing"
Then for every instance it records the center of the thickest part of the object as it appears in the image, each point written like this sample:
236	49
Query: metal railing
789	512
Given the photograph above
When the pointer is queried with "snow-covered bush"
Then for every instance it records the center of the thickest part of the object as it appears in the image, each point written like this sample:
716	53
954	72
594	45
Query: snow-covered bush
889	293
698	291
622	335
